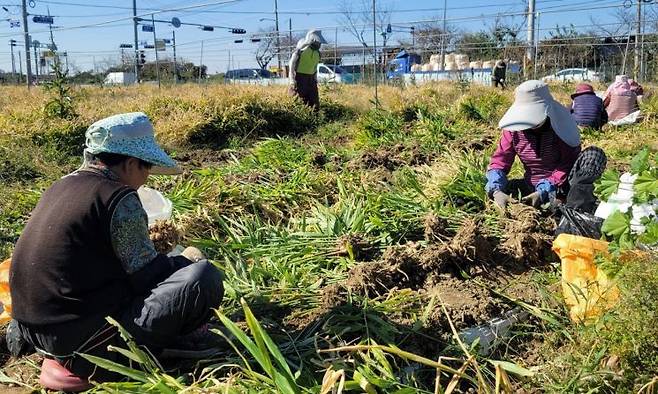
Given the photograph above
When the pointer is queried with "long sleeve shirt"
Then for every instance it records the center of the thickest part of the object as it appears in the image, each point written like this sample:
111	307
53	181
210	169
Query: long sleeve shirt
543	155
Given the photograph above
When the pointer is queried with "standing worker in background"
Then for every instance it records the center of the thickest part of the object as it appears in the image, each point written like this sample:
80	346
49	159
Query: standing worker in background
498	74
303	69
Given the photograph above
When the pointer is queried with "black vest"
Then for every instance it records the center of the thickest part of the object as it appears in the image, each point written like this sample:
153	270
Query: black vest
64	267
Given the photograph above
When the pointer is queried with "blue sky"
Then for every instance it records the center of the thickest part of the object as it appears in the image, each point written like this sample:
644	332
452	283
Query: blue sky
100	44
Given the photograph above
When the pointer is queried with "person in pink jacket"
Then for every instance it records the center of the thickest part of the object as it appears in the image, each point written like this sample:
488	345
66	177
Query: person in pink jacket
546	139
620	99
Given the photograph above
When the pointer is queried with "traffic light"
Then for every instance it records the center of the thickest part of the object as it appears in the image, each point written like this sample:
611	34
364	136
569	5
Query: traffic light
207	28
142	58
238	31
12	43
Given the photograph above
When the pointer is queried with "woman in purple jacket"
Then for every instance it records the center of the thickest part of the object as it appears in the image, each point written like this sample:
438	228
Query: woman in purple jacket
542	133
587	108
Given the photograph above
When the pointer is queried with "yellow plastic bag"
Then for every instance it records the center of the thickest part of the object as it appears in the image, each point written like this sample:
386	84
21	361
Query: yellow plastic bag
587	290
5	296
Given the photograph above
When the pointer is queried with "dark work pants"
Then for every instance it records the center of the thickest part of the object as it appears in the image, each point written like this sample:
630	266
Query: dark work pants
175	307
579	188
306	87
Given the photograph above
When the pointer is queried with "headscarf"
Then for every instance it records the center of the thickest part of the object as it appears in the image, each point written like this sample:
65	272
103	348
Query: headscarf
620	87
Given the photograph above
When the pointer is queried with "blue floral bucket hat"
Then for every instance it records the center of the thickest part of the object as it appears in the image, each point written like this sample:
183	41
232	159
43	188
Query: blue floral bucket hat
130	134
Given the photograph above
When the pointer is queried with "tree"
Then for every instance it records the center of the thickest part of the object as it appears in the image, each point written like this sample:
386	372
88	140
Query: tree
267	50
357	18
429	39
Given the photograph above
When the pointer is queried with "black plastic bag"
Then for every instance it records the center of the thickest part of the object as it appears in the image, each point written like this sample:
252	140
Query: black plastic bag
578	223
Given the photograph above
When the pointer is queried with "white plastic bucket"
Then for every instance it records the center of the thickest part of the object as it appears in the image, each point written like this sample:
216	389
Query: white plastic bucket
157	206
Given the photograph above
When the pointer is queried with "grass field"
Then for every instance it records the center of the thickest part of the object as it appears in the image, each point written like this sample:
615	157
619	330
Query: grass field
357	245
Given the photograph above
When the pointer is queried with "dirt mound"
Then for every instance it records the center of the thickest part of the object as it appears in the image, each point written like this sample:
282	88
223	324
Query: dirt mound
165	235
527	235
466	302
470	242
391	158
204	157
410	266
357	247
435	228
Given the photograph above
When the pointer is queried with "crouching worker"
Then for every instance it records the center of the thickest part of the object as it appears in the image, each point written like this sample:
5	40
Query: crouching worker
542	133
587	108
85	254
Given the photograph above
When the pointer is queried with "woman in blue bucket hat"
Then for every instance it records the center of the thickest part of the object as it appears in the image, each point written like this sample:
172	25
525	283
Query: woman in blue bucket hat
85	254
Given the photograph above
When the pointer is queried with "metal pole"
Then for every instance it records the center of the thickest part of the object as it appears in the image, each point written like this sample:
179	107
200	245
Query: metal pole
531	29
12	43
278	41
173	41
374	50
642	59
534	74
335	49
20	67
155	47
443	36
290	43
36	64
638	32
66	57
26	37
136	43
201	61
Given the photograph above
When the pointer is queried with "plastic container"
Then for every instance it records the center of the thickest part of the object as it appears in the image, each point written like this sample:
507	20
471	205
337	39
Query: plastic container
5	295
491	334
587	290
157	206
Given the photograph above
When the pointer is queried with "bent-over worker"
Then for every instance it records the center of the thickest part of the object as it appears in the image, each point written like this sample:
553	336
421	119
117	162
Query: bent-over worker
85	254
587	108
303	68
620	99
542	133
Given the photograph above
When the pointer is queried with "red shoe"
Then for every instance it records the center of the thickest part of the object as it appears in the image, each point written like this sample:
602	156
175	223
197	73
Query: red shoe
55	376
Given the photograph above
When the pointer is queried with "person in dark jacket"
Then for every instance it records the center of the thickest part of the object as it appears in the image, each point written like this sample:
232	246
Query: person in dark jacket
498	74
85	254
587	108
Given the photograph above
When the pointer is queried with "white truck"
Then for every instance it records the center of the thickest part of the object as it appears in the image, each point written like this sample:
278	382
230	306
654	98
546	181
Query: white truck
120	78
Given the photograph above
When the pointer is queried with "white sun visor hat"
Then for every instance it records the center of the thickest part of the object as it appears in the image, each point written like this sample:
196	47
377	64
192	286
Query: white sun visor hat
532	104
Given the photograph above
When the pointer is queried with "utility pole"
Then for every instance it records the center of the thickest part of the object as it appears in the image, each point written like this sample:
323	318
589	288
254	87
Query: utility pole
201	62
536	43
278	41
12	44
443	35
374	51
20	67
290	44
26	38
36	63
155	47
638	33
173	41
136	43
531	30
335	49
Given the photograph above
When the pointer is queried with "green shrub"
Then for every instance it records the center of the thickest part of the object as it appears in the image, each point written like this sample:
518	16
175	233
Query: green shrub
380	127
487	108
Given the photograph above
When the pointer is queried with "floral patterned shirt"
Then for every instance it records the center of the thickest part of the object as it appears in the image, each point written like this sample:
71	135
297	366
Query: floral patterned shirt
128	227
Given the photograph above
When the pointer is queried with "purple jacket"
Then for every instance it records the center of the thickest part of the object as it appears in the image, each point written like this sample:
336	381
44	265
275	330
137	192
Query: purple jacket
546	158
587	110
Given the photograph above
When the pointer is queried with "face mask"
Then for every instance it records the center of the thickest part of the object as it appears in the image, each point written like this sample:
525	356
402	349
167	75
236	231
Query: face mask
315	45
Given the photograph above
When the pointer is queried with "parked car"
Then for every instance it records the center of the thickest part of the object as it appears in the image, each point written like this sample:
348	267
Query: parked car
248	73
574	75
328	73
